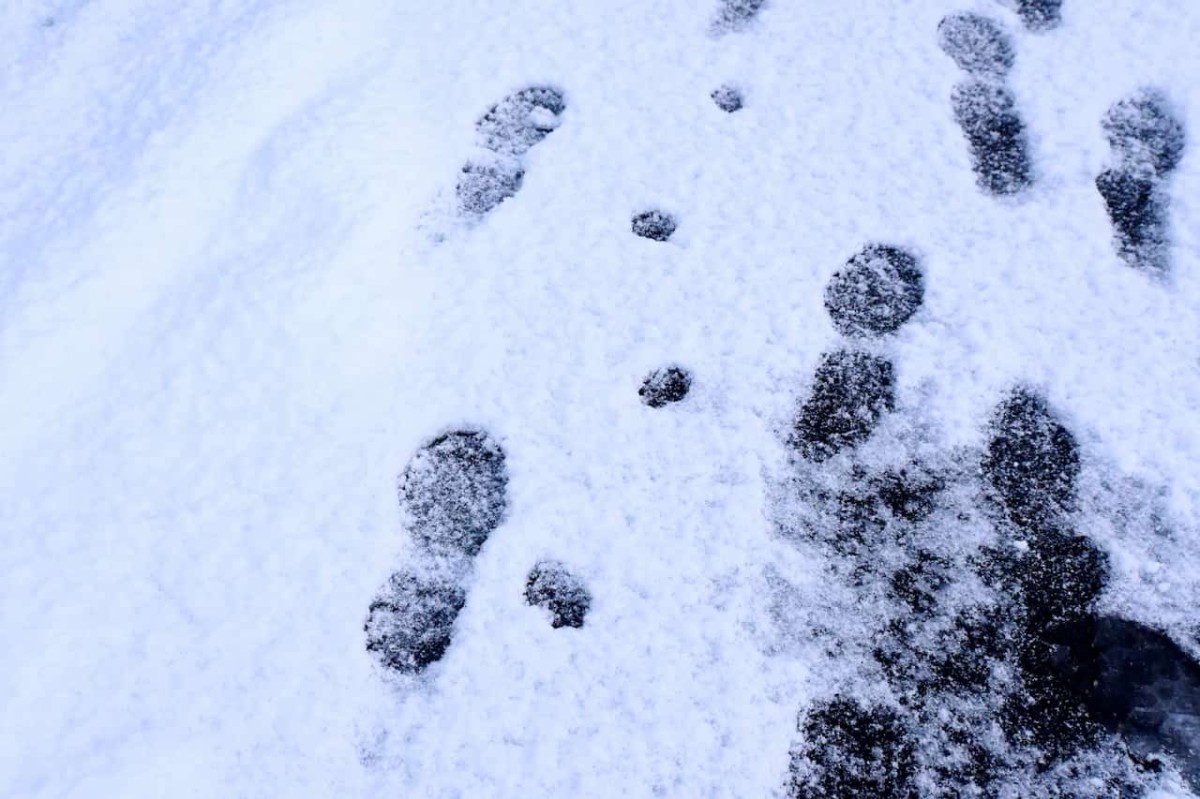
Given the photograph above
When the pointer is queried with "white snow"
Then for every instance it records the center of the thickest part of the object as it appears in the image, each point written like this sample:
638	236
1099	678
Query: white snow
227	321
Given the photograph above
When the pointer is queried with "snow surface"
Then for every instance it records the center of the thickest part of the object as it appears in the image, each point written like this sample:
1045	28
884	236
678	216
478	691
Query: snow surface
233	304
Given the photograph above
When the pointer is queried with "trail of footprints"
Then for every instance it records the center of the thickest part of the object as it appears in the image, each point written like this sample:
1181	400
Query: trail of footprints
990	672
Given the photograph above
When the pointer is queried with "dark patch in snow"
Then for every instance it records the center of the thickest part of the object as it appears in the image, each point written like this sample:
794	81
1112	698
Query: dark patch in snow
995	133
1040	15
978	44
410	622
455	492
728	99
521	120
483	186
851	392
878	290
654	225
1148	140
851	751
1032	462
552	587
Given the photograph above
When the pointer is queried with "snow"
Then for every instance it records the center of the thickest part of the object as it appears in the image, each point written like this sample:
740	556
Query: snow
234	303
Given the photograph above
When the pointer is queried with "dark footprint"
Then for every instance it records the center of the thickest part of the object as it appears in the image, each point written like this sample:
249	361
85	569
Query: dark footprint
410	622
509	129
1040	15
552	587
483	186
987	114
1032	462
851	392
455	492
977	44
877	291
653	225
1054	576
853	752
735	15
1137	208
521	120
1147	140
728	99
665	386
1060	580
1144	132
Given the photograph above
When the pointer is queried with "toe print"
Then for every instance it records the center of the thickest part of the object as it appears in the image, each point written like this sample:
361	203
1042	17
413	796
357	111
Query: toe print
521	120
1144	133
1147	141
1032	462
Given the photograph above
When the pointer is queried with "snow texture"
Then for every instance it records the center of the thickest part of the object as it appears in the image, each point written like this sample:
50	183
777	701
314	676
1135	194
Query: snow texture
243	294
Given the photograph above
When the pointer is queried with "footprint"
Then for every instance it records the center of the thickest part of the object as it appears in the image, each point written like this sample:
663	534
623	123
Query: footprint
454	494
851	392
879	289
989	669
983	106
978	44
508	130
1040	15
735	15
521	120
1144	686
654	225
552	587
411	621
666	386
728	98
1147	140
484	185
